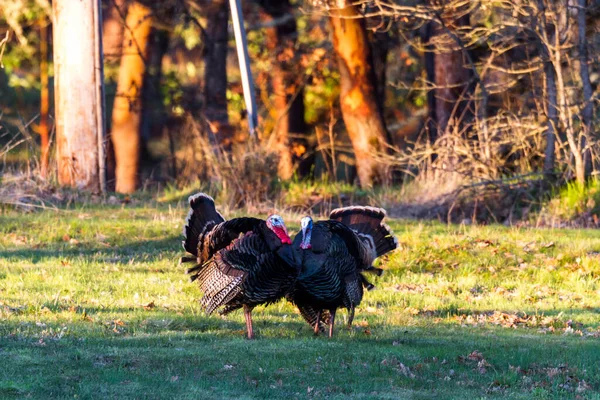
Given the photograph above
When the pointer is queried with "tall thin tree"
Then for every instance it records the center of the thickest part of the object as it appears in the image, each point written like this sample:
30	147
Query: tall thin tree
587	114
113	24
79	97
216	37
127	109
290	127
44	129
360	111
447	69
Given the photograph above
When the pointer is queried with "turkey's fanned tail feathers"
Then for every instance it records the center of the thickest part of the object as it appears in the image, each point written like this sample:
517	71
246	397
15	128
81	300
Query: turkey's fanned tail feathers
367	221
202	217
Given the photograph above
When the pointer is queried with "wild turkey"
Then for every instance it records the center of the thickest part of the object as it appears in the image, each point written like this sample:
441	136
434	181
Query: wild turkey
333	255
240	262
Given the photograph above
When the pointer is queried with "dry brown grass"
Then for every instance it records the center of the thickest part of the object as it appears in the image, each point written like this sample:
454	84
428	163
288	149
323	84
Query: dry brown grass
245	177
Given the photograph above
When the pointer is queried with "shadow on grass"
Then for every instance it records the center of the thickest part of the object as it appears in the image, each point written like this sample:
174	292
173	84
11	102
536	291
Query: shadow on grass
151	250
194	360
511	318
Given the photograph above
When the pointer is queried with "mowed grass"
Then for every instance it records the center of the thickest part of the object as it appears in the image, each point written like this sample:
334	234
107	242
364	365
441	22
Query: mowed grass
94	305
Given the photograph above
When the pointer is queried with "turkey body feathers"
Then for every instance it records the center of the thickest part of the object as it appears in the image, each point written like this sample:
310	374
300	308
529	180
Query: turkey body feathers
330	276
240	262
342	249
246	273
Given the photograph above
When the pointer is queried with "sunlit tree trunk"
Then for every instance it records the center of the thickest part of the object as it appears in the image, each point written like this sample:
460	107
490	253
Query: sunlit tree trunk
77	49
113	29
126	117
215	71
44	130
113	24
362	118
288	94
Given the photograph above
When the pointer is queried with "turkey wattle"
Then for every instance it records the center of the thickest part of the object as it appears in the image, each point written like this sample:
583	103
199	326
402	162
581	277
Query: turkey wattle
240	262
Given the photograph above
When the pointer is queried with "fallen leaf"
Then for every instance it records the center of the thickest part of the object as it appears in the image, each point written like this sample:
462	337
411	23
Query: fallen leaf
18	240
582	386
475	356
404	370
412	310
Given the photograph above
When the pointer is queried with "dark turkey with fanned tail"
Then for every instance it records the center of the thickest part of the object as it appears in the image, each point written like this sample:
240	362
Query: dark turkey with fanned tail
241	263
334	254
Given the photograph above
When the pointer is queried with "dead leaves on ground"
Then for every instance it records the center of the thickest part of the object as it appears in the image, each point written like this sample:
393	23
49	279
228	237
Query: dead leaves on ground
477	359
401	368
537	376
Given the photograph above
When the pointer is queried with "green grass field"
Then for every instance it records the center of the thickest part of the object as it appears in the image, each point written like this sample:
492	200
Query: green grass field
94	305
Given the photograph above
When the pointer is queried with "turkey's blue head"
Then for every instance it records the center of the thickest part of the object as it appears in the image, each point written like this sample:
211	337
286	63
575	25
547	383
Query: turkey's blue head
276	224
306	224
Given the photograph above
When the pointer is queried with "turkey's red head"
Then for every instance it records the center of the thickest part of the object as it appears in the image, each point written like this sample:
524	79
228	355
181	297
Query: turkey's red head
276	224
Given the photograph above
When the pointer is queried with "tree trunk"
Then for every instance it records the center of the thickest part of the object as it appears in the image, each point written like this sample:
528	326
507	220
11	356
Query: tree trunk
113	24
153	111
380	43
290	128
44	100
154	114
216	40
126	118
114	13
450	80
587	113
552	116
429	64
79	93
361	115
564	109
550	94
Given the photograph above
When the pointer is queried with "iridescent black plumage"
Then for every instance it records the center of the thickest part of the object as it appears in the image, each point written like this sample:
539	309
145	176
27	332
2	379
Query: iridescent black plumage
331	275
240	262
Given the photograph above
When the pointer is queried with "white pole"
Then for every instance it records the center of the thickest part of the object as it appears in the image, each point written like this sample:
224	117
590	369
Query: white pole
242	52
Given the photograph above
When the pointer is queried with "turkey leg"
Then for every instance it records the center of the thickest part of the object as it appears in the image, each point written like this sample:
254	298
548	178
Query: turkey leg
350	317
331	321
248	315
318	323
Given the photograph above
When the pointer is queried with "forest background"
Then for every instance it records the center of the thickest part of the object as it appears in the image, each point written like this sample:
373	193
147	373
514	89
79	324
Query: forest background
456	110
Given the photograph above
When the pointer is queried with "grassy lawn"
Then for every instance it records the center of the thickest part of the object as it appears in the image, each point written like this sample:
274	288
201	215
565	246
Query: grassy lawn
94	305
